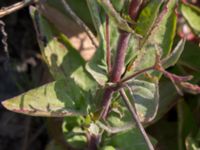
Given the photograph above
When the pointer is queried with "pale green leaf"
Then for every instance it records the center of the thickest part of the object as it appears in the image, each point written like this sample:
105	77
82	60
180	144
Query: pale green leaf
59	98
192	15
145	95
62	59
173	57
97	67
161	35
108	148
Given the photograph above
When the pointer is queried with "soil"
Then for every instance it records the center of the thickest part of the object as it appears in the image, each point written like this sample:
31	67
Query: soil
22	71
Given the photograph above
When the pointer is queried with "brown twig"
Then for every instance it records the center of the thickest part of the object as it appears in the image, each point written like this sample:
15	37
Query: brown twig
15	7
136	119
4	39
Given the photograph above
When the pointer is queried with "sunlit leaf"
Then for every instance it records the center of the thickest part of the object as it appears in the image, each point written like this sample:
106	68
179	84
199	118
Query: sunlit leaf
161	35
62	59
148	17
97	66
58	99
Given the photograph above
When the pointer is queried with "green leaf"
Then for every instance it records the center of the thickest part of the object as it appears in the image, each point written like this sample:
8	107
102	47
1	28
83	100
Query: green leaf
97	67
168	97
187	58
59	98
145	95
62	59
77	6
71	93
161	35
164	30
121	23
173	57
186	123
108	148
129	140
147	17
192	15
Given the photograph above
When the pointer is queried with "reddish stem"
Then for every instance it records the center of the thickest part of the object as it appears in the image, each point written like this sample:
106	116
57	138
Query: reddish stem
118	67
117	71
134	8
108	52
92	142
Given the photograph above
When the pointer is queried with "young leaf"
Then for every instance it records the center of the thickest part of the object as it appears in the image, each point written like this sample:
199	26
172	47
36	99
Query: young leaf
56	99
192	15
173	57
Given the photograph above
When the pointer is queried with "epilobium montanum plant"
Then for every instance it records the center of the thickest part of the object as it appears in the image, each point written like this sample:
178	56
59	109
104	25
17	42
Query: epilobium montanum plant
107	100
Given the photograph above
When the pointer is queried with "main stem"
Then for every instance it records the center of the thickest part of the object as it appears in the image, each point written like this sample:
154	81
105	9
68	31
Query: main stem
117	71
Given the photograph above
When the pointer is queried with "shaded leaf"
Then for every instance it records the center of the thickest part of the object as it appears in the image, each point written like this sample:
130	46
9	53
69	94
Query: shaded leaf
146	98
186	123
129	140
187	58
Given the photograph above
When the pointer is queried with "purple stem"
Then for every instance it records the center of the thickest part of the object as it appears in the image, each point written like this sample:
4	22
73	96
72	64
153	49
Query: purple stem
120	57
108	52
117	71
92	142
